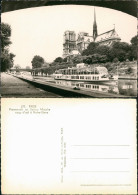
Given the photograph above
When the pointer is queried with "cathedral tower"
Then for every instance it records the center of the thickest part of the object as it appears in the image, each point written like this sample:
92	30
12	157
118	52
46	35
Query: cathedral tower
95	33
69	43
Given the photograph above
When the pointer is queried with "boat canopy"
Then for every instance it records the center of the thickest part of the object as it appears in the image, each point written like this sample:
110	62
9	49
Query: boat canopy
101	70
86	70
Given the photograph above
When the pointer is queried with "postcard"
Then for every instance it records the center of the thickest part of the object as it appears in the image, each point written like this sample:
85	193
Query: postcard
69	50
69	146
68	97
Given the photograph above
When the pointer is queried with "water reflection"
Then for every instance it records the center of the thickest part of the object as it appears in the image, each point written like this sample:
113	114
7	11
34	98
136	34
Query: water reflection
122	87
127	87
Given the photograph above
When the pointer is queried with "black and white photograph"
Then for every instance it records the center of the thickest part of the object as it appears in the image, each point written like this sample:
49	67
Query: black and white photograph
68	97
68	51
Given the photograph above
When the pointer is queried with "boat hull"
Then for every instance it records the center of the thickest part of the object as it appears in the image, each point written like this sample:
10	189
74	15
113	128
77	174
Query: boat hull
93	81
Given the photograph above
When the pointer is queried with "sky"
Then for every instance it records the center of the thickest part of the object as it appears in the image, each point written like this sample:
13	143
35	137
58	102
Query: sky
39	31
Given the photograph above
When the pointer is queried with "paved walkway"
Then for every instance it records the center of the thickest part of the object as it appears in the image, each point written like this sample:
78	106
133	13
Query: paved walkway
14	87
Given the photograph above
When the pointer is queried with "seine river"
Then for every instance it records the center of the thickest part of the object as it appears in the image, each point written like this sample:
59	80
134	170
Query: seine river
122	87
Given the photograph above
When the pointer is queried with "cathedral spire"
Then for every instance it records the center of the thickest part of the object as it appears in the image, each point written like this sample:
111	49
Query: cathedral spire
94	27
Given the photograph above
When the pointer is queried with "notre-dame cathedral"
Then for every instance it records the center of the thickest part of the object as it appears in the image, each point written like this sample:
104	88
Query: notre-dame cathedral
73	45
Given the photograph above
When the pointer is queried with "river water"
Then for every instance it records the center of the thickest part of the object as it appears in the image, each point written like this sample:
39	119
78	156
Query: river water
122	87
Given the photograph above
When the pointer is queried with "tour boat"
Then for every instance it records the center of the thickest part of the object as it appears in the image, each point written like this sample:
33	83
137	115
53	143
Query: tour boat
87	86
85	73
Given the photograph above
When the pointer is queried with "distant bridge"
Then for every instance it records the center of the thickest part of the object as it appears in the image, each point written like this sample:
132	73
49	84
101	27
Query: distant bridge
21	69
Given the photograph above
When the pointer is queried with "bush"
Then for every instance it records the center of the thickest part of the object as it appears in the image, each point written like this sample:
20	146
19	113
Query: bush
115	60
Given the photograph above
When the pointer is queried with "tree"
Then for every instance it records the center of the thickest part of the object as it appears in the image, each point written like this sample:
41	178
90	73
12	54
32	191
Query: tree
121	46
90	49
103	59
37	62
17	67
6	57
87	59
65	59
95	58
58	59
45	64
102	50
77	59
134	41
134	44
117	53
115	60
11	57
5	35
6	60
120	50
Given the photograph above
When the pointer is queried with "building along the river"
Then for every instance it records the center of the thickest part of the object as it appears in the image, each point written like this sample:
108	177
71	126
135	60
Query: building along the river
72	44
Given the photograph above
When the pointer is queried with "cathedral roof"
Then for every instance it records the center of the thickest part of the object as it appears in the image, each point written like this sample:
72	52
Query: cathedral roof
111	34
84	37
88	38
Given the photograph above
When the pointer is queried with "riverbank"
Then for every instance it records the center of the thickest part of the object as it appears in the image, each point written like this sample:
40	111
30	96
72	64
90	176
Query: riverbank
67	91
127	78
14	87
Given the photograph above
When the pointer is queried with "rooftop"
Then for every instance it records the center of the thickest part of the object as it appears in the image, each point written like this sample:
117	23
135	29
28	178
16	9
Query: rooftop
107	35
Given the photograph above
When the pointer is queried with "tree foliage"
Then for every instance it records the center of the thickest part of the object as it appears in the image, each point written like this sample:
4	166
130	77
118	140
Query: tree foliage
58	59
37	62
102	50
6	60
5	35
6	57
118	50
134	47
134	41
95	58
17	67
77	59
90	49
